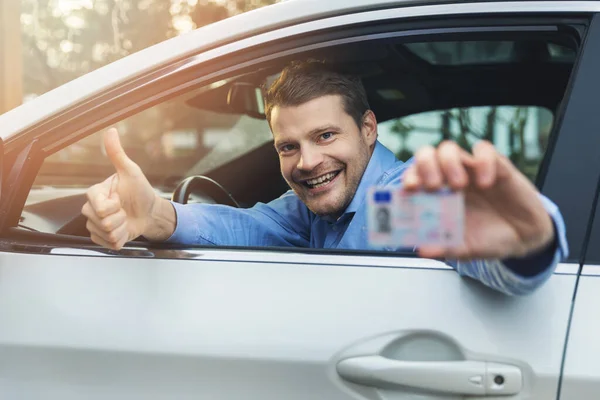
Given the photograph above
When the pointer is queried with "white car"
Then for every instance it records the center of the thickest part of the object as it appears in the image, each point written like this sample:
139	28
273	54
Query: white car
78	321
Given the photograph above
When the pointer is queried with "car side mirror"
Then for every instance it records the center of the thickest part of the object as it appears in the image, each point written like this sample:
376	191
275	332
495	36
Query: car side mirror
246	98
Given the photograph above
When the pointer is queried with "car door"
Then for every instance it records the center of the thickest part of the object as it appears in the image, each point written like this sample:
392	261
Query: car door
581	376
147	322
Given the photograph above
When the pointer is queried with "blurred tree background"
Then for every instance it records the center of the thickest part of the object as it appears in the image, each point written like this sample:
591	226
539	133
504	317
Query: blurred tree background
63	39
465	126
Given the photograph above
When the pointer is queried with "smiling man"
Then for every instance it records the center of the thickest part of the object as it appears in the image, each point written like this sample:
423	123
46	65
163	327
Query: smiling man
323	157
326	137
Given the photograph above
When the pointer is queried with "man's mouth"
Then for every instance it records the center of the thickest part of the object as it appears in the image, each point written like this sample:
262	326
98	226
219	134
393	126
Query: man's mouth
320	181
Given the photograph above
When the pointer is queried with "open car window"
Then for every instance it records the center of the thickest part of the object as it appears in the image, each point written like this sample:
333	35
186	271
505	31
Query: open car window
169	142
504	90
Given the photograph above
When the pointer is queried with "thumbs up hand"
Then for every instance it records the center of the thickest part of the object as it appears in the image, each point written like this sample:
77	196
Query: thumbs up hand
125	206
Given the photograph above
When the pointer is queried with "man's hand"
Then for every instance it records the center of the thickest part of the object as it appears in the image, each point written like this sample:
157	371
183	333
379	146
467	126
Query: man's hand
504	216
125	206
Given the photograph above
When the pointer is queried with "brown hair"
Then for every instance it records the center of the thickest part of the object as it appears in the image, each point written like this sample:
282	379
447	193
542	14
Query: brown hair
302	81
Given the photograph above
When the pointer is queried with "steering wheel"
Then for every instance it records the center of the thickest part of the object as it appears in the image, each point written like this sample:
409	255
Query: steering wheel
199	184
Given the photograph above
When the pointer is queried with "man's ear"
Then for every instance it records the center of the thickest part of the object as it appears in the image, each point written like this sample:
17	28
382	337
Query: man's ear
369	127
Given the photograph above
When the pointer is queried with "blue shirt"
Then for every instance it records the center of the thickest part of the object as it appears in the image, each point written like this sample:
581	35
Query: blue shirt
286	221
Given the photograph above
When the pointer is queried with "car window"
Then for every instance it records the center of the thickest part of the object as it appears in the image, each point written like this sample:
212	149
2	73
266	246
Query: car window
511	102
520	133
169	141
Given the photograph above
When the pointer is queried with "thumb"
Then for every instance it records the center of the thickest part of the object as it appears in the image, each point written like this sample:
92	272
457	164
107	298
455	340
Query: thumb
115	152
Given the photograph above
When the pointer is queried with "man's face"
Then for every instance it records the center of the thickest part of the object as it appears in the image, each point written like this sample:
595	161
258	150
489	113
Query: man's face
322	152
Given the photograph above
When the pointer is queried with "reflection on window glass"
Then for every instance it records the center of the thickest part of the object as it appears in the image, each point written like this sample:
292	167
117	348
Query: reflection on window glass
169	141
520	133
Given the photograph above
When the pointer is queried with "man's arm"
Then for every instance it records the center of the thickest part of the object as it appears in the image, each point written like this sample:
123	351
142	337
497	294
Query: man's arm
515	275
282	222
521	275
125	207
514	236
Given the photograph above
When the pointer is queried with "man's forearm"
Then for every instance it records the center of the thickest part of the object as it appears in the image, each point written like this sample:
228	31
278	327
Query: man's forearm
525	274
162	221
536	262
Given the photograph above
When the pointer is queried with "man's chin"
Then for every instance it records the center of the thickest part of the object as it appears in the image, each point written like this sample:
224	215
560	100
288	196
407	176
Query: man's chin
323	205
332	210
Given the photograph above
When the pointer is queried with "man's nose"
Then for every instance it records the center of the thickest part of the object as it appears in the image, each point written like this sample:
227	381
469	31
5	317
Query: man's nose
309	159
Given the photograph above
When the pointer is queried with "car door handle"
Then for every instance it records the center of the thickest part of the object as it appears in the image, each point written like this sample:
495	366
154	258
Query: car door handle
478	378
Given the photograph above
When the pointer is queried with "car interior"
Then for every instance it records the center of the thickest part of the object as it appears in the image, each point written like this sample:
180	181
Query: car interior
401	79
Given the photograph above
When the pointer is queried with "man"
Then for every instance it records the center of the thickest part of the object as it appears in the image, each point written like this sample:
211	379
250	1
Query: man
326	138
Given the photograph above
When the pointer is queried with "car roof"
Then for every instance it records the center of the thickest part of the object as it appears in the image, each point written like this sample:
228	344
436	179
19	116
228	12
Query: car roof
169	52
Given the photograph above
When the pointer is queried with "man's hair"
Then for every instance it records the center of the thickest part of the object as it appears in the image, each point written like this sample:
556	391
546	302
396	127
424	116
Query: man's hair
302	81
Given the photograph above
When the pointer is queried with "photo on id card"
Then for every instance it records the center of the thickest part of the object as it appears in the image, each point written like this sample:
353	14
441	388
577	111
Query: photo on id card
380	207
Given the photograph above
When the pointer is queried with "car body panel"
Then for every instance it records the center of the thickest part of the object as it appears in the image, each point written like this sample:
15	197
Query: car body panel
581	375
215	328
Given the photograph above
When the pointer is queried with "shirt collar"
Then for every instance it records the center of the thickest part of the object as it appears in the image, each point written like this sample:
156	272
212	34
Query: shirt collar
381	160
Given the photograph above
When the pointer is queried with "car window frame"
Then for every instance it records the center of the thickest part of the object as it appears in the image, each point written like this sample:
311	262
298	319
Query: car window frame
235	65
571	176
591	258
590	254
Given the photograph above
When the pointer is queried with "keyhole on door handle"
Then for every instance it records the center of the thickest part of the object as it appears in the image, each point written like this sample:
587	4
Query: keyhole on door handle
499	380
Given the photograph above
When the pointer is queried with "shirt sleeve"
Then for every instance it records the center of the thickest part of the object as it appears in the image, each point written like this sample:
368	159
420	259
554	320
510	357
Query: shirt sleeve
514	277
284	221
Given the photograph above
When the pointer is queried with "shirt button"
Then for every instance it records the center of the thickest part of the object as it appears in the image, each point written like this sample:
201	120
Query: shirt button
335	228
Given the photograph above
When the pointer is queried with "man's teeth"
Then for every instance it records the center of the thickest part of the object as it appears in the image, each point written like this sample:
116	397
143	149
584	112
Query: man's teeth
322	180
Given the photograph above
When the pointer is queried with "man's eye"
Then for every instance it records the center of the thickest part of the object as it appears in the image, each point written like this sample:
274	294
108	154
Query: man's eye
286	148
327	135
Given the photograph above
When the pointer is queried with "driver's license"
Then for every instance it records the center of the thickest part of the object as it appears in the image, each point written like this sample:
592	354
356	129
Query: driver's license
398	219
